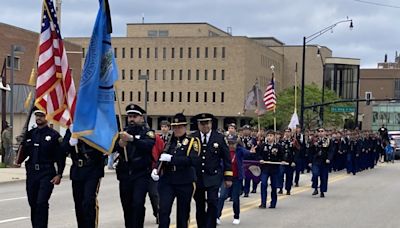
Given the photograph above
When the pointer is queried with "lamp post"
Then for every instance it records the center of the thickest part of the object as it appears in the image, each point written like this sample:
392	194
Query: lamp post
305	41
321	108
14	48
145	77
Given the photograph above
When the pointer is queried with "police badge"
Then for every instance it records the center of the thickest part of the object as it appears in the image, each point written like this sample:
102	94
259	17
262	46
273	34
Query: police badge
48	138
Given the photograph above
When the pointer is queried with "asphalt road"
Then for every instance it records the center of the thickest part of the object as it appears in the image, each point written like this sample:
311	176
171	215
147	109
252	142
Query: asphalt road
369	199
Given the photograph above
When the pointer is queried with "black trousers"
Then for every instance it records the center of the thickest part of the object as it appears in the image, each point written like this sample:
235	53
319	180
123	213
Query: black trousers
86	205
133	195
206	218
183	194
39	189
153	195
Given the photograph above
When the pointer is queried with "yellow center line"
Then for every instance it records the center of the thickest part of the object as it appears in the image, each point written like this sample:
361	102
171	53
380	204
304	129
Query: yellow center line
227	212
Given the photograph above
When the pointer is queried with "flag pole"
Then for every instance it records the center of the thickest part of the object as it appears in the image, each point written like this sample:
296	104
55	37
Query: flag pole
295	89
119	117
273	78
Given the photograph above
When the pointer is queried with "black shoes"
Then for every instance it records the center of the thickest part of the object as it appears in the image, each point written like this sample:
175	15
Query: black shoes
322	195
246	195
254	191
280	191
315	192
271	207
288	193
262	206
296	185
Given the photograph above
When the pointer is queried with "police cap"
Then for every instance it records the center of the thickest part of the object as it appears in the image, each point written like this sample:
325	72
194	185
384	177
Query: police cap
203	117
179	119
134	109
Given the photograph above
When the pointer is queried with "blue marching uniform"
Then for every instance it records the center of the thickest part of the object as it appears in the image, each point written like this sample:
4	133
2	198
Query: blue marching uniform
320	153
286	170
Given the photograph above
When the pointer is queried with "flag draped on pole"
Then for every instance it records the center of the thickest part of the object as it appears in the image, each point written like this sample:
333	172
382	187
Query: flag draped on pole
55	88
294	121
95	121
253	100
269	96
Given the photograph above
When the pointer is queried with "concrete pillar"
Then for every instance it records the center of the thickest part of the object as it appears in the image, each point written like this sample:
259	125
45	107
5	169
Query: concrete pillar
154	122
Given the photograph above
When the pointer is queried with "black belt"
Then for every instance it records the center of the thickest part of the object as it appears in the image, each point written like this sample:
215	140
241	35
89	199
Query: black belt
81	162
38	166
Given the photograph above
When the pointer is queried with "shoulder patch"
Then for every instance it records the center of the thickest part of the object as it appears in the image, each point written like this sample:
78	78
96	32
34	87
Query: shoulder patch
150	134
195	146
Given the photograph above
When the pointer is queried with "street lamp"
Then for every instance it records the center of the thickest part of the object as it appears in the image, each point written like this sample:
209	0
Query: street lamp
145	77
321	108
21	49
305	41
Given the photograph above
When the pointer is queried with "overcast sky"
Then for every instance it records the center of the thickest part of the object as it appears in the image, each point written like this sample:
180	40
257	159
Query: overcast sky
376	29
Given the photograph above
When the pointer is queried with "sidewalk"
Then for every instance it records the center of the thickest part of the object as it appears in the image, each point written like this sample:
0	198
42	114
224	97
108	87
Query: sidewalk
19	174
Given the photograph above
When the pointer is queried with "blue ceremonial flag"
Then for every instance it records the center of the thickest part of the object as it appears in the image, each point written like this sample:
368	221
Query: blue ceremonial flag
95	121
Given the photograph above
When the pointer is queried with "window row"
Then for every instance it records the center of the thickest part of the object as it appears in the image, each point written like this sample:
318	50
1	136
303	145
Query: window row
176	74
206	52
174	96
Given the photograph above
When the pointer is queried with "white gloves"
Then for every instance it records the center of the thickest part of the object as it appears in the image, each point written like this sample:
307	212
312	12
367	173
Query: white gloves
165	157
73	141
154	175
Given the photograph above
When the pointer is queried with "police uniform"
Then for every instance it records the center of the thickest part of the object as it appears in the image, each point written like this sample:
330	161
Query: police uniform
178	176
299	157
134	174
213	168
269	153
286	170
321	152
43	147
86	172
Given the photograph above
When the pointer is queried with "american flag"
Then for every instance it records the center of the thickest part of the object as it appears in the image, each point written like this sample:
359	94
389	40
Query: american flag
55	89
269	96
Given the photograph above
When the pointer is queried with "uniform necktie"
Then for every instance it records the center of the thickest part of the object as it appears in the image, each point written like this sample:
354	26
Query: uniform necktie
204	139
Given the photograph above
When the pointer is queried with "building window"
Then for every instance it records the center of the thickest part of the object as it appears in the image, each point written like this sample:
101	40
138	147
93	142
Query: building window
213	97
130	96
189	53
83	52
131	74
155	96
115	52
172	75
397	88
16	63
172	52
123	96
222	97
156	52
163	33
172	96
206	52
147	96
188	96
205	97
206	75
215	52
123	53
164	53
131	53
181	75
197	75
197	96
222	75
180	96
223	52
139	97
163	96
155	74
148	73
123	74
164	72
139	73
147	52
214	75
198	52
140	53
180	52
152	33
189	75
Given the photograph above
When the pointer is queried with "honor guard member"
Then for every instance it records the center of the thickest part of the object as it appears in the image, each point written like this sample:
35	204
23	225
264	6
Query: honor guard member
178	174
288	157
43	147
249	142
86	172
213	168
270	156
299	152
321	158
134	171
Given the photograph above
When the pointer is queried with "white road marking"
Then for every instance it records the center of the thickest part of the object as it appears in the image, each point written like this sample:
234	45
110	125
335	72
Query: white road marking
10	199
13	219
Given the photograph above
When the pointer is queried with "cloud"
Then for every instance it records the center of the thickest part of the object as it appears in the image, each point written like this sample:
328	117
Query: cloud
375	32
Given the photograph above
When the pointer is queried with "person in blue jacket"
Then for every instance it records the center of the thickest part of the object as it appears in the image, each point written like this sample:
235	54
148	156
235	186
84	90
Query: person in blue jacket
237	152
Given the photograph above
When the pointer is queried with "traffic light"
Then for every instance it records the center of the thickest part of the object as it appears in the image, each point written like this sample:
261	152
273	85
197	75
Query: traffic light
368	96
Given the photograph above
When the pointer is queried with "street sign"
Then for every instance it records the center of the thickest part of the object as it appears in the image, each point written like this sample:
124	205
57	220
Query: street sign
342	109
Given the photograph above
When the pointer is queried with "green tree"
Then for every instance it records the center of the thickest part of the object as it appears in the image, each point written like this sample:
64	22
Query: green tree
313	94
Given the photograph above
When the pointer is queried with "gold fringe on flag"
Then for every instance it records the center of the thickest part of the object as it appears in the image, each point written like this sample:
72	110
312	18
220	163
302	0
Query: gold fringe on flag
27	103
32	78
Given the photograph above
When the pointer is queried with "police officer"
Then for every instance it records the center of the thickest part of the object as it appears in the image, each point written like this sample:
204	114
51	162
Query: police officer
269	153
86	172
178	174
321	155
43	147
214	166
133	171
